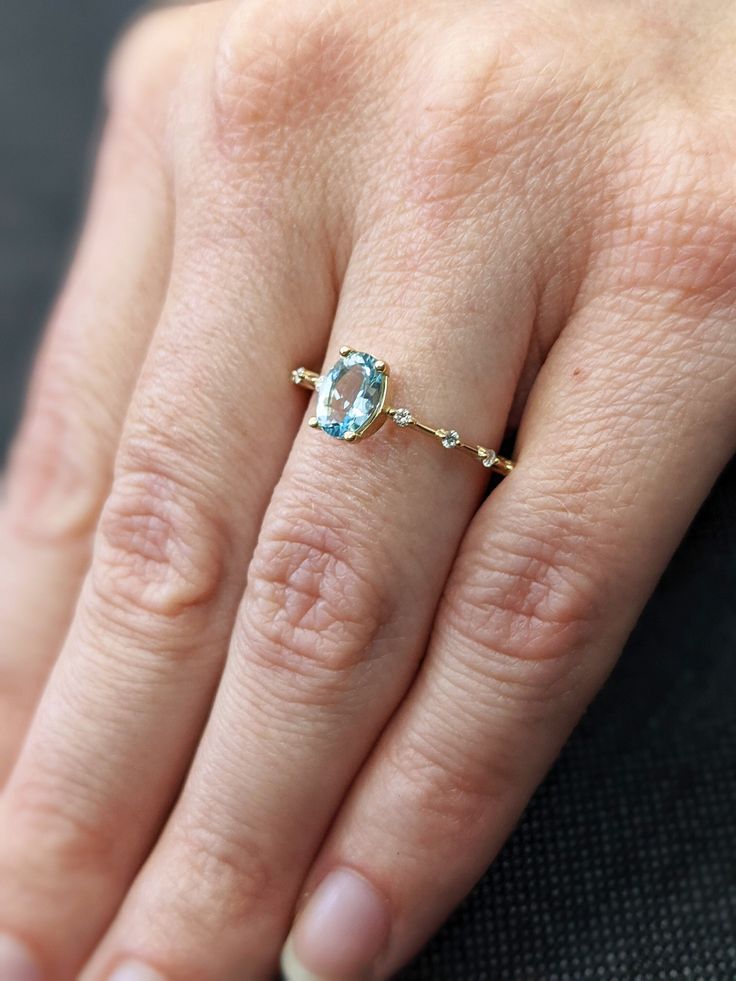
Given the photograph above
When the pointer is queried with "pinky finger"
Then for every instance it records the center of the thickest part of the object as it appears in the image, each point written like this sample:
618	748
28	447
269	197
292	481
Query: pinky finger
548	583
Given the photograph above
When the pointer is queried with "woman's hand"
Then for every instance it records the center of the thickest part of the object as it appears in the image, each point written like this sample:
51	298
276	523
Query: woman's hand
313	676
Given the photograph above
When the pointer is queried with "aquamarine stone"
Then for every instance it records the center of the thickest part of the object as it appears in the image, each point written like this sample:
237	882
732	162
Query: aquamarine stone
350	395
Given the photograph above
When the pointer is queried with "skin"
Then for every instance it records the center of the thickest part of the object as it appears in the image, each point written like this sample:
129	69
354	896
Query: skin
268	655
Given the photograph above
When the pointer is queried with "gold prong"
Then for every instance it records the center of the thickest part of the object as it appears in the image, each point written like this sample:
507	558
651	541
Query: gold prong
350	437
381	366
313	422
345	351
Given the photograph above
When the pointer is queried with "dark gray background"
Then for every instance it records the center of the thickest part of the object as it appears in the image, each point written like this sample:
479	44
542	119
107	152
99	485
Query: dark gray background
623	867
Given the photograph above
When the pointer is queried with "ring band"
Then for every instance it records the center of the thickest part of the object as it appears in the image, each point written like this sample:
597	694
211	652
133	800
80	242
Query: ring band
352	403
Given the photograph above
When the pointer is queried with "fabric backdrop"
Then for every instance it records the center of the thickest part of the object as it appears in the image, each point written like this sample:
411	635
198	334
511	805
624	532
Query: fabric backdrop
624	866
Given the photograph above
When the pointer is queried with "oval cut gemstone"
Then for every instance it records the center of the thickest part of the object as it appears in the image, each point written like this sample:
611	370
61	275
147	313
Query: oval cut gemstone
350	395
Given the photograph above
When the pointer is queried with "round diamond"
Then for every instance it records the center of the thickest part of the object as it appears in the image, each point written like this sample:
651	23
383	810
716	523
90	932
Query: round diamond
402	417
451	439
489	458
297	375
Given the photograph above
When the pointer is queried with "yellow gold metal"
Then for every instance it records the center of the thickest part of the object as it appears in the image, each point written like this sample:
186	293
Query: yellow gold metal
305	378
415	424
487	457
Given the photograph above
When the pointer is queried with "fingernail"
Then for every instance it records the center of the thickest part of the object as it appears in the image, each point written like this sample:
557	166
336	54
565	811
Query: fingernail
340	933
135	971
17	963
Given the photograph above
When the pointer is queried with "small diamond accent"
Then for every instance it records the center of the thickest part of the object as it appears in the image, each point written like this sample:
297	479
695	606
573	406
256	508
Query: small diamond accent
402	418
450	440
318	382
489	458
297	375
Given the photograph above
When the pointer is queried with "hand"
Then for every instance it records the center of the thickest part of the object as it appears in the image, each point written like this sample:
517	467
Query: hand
306	676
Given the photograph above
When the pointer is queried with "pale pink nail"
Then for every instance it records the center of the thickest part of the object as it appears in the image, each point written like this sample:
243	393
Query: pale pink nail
340	933
135	971
16	961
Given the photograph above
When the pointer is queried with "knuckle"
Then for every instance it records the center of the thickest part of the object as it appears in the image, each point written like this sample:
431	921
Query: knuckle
314	601
221	872
472	111
160	547
146	65
447	787
677	208
59	466
62	813
524	609
280	66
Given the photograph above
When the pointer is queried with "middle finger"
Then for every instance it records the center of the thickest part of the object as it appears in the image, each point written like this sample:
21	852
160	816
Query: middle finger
351	560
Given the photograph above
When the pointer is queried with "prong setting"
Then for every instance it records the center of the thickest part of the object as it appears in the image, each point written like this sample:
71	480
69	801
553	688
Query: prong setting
353	403
402	417
450	438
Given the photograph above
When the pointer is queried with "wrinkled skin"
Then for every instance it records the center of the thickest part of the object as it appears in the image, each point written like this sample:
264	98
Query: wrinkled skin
266	654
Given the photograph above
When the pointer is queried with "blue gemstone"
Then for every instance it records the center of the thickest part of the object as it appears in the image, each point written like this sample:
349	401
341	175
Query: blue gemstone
350	395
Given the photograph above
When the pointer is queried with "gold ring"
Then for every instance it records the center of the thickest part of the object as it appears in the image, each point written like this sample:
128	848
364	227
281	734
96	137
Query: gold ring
353	403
